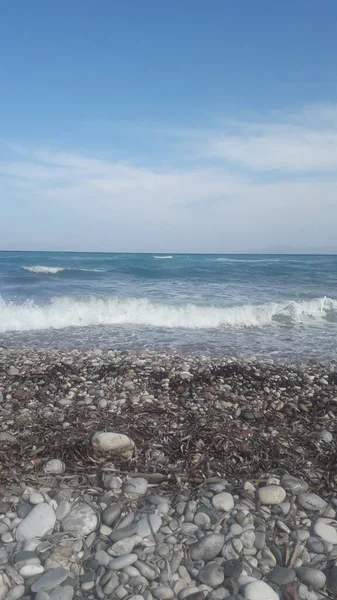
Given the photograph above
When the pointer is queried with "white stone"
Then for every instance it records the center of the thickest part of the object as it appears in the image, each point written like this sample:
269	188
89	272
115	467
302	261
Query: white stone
36	498
41	520
208	547
29	570
326	532
272	494
3	592
54	467
135	486
117	443
125	546
148	525
259	590
81	521
223	501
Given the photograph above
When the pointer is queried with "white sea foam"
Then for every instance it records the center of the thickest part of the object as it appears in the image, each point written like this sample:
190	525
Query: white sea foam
70	312
42	269
54	270
162	257
244	260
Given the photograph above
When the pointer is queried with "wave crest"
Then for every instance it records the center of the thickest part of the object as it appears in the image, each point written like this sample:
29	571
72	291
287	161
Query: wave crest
71	312
42	269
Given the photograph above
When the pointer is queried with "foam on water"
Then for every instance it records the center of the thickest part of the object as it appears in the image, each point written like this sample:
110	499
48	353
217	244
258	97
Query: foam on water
69	312
42	269
162	257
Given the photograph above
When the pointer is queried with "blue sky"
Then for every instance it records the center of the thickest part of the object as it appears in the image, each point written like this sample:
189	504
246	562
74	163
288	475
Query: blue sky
177	126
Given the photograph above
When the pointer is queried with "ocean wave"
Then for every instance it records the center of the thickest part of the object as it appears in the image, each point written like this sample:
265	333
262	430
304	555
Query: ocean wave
42	269
162	257
65	312
54	270
245	260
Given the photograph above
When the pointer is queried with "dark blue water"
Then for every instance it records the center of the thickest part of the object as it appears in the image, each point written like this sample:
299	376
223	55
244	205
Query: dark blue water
245	304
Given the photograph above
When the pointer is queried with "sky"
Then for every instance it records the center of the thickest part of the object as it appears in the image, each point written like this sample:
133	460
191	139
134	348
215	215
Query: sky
180	126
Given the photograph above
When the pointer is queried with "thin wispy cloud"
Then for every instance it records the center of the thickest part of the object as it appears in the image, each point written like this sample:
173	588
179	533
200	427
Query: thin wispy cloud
235	191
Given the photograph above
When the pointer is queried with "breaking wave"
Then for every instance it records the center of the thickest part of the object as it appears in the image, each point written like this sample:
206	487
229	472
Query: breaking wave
71	312
54	270
162	257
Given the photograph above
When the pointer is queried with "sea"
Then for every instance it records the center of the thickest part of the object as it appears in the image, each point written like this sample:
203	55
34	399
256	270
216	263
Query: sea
277	306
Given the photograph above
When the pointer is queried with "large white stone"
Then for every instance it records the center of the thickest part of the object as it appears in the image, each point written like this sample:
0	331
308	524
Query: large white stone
223	501
81	521
41	520
135	487
259	590
272	494
326	532
117	443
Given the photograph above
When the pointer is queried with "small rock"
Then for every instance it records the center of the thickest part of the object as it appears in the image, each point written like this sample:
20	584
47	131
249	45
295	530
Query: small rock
212	574
272	494
281	576
223	501
50	580
208	547
135	487
102	558
36	498
326	532
116	564
233	568
13	371
124	546
81	521
16	592
148	525
311	577
294	485
54	467
310	501
111	513
64	592
39	521
162	592
117	443
331	579
259	590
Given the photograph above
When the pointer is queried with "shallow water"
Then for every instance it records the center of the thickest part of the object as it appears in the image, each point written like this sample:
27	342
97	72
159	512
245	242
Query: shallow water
246	305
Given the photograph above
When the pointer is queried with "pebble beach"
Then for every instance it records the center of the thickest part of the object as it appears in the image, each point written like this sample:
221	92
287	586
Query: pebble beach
138	475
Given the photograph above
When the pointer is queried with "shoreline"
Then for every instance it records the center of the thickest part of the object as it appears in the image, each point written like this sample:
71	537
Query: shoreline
190	416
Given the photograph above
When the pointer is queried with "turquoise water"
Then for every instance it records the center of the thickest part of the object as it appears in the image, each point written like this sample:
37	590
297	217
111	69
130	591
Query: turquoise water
244	304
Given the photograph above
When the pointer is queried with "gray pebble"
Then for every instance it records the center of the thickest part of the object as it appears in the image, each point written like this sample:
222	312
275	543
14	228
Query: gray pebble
111	513
212	574
311	577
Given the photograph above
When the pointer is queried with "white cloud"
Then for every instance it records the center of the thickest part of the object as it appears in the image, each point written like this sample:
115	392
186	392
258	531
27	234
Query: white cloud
117	205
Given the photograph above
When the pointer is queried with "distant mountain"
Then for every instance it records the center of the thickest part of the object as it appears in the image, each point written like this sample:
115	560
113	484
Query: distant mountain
284	249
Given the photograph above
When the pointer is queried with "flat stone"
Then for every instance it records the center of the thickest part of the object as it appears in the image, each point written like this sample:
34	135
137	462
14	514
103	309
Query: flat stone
208	547
39	521
102	557
281	575
162	592
272	494
116	564
135	487
331	579
310	501
259	590
124	546
123	532
326	532
148	525
116	443
16	592
212	574
36	498
294	485
65	592
111	513
311	577
223	501
50	580
81	521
